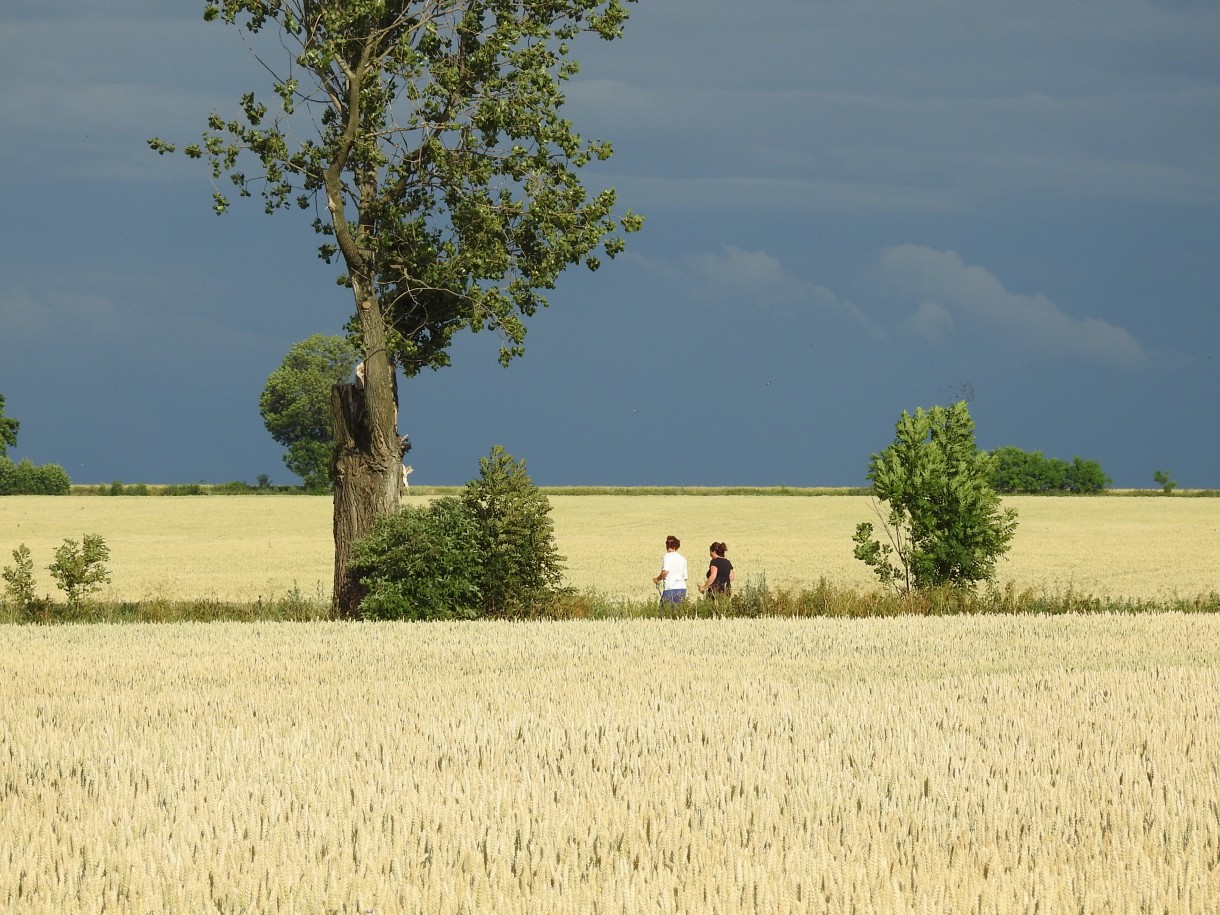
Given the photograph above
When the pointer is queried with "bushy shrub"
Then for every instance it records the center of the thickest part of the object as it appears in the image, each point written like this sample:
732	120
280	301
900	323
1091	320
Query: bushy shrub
489	551
422	563
19	578
187	489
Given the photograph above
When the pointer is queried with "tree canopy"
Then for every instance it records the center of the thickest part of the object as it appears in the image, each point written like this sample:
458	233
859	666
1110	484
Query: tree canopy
295	404
441	169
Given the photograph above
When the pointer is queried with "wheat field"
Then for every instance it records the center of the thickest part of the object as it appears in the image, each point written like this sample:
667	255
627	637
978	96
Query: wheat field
249	547
944	765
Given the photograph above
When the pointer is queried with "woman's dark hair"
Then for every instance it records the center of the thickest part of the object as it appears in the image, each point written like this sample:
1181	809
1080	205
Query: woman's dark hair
672	542
719	548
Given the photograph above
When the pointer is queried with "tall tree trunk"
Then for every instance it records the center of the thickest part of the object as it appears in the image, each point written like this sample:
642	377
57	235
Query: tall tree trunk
368	452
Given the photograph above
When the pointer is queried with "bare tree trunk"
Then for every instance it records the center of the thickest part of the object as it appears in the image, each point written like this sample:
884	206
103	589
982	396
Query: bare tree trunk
368	455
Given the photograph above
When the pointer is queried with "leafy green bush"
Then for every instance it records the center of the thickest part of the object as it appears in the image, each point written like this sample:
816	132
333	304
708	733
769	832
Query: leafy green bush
943	524
489	551
19	578
80	568
422	563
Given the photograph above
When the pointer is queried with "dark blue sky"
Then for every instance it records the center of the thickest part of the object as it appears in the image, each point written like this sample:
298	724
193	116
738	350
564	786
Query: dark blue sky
853	208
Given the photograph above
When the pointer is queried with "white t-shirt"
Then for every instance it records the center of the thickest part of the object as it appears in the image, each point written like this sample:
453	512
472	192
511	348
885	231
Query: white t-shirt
675	564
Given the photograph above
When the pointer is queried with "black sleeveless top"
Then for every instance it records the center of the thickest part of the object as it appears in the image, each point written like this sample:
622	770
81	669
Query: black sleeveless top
721	585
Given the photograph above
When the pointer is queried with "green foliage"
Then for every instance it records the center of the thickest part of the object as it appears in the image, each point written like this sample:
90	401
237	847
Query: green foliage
19	578
1018	471
422	563
184	489
295	404
80	568
489	551
8	431
1168	484
28	479
521	564
942	519
116	488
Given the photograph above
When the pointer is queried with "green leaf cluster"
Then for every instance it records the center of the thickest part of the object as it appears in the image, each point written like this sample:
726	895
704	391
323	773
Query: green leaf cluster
295	404
942	517
487	552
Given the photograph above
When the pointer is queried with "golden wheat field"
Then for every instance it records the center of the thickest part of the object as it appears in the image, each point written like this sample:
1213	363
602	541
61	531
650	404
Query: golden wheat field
247	547
940	765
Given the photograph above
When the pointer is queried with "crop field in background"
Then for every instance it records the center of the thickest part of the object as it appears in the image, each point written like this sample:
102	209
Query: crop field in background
949	765
245	548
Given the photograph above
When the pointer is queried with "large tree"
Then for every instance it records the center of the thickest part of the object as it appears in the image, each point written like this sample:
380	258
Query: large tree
426	140
295	404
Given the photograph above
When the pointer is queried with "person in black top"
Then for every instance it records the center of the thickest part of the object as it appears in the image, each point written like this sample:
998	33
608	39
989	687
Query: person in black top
719	573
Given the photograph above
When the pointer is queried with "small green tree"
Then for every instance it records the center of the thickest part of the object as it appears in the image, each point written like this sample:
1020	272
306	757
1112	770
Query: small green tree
8	431
295	404
80	568
521	564
1168	484
1085	477
19	578
943	520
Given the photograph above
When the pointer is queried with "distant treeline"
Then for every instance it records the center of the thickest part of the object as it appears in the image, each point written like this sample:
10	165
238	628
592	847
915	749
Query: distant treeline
1018	471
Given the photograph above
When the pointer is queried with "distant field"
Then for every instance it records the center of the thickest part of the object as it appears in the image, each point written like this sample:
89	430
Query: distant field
947	765
251	547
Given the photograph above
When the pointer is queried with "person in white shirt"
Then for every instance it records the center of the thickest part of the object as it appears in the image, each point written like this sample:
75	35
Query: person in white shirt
673	574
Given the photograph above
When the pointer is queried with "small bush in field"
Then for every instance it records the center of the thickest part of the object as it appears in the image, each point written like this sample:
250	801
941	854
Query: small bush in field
19	578
422	563
487	552
80	568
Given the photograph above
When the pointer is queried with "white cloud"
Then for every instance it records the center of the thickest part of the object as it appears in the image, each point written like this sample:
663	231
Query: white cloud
932	322
952	293
750	277
755	280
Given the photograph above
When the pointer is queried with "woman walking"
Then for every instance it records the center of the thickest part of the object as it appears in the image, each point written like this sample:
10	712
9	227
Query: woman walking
672	576
720	573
